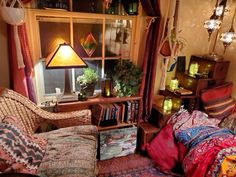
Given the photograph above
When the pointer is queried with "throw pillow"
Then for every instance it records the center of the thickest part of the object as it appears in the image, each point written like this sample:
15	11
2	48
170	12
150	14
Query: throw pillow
19	152
217	101
13	120
164	150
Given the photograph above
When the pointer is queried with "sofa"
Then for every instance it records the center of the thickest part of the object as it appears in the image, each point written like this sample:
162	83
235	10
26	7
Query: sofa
68	151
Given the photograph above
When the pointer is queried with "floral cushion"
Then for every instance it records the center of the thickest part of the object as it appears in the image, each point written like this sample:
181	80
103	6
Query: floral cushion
19	152
71	152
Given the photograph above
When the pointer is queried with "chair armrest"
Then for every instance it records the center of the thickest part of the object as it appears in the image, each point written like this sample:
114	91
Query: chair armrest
78	130
67	119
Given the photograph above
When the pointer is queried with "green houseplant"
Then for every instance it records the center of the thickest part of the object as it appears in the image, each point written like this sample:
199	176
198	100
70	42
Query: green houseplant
127	78
87	81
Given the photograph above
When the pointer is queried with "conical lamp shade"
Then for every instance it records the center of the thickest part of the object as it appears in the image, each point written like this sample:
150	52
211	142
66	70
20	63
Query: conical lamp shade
64	57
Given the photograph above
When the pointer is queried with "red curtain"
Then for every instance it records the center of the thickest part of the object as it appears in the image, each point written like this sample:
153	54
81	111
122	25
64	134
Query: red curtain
151	7
21	78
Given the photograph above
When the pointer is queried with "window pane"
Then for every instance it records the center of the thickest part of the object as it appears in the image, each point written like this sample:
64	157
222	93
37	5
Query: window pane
59	33
118	38
109	67
95	65
53	78
88	37
93	6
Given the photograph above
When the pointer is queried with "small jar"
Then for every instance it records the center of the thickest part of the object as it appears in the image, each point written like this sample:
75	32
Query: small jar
167	105
193	69
174	84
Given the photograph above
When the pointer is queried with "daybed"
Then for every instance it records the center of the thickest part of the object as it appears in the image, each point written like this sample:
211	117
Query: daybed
201	144
69	151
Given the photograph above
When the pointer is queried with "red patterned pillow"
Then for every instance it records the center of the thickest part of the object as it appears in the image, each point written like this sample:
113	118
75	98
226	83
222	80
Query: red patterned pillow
13	120
217	101
19	152
164	150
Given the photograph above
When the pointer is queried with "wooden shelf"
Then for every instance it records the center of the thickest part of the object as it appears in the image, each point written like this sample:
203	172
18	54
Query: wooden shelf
78	105
120	125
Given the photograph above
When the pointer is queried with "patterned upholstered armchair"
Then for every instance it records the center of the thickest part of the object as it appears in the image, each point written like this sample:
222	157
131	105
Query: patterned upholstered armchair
71	150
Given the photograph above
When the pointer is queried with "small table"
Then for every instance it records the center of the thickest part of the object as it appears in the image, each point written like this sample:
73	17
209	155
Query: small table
159	117
146	132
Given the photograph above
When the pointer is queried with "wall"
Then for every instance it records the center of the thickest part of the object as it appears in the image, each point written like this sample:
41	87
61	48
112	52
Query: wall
192	15
4	67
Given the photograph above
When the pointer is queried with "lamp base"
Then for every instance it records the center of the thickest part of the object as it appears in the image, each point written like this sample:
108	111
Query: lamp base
213	56
67	98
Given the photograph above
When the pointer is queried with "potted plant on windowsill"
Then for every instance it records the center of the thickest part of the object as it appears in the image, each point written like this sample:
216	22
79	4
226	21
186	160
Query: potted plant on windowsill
87	81
127	79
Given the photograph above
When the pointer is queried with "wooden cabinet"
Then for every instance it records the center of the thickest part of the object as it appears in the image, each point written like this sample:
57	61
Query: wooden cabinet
146	133
210	73
216	70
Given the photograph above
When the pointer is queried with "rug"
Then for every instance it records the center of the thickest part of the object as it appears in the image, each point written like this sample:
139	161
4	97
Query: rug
134	165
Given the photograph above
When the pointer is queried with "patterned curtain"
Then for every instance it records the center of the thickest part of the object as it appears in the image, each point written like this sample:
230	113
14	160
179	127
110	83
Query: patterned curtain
151	7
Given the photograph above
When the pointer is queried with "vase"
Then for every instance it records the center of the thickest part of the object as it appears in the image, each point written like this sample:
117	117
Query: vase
87	89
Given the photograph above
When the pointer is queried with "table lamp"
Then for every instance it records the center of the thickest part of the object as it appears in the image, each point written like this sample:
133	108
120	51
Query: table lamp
66	58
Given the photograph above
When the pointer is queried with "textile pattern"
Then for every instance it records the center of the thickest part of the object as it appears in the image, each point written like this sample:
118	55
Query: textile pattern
70	152
19	152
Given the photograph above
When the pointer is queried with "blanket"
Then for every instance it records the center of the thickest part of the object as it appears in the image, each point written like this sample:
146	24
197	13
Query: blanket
210	150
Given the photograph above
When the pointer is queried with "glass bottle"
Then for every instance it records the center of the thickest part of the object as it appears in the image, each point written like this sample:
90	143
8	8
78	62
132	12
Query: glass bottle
106	86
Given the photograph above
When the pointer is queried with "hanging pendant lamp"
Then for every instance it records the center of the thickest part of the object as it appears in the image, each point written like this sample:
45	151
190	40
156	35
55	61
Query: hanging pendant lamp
228	37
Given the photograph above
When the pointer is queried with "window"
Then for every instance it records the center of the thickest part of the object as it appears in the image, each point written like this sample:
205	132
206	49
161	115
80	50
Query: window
101	40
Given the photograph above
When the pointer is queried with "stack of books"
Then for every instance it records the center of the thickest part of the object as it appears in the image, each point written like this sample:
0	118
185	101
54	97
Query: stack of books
114	113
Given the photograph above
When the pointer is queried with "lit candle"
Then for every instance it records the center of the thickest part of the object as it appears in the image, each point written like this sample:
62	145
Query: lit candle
193	69
167	106
174	84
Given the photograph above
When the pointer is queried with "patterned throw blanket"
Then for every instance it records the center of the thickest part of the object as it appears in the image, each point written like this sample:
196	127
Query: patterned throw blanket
211	150
19	152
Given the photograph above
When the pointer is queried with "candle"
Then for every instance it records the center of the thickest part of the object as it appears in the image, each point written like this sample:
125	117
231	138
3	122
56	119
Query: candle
174	84
167	106
193	69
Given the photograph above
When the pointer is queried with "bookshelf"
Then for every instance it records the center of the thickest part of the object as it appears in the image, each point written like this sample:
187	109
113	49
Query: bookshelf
88	104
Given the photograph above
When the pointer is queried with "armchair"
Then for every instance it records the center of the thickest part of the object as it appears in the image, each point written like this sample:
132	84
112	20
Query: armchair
31	116
71	149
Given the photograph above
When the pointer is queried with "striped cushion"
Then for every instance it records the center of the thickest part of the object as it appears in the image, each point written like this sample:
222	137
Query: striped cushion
219	108
217	101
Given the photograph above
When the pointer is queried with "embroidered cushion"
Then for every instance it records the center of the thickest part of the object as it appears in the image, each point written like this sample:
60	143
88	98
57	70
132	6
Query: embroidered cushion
217	101
19	152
